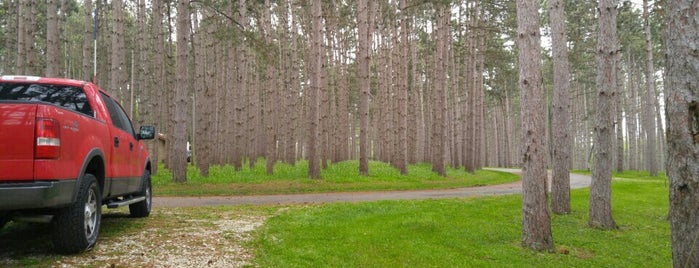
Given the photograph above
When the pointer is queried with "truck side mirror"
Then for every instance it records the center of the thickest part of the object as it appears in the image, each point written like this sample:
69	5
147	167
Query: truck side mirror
146	133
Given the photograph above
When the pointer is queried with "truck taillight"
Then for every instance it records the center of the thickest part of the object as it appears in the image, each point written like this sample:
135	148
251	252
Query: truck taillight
48	139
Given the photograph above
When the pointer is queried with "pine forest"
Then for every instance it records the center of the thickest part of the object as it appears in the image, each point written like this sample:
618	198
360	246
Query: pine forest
400	82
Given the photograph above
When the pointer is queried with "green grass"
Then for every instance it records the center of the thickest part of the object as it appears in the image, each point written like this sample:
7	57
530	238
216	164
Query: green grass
338	177
472	232
464	232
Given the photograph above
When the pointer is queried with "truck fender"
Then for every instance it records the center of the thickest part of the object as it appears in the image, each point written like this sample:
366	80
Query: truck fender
97	154
146	164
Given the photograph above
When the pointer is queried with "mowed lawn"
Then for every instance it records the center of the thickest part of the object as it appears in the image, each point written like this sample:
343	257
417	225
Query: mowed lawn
459	232
471	232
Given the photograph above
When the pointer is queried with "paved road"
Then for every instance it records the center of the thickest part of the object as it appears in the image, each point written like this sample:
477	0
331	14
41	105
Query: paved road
576	181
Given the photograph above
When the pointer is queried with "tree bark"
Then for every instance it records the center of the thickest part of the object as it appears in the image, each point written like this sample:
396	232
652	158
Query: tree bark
294	100
140	80
607	53
631	120
313	117
22	23
203	153
53	46
8	64
31	49
562	142
243	109
470	88
479	91
618	118
649	111
439	94
253	111
536	222
117	72
179	139
364	85
88	39
270	93
682	113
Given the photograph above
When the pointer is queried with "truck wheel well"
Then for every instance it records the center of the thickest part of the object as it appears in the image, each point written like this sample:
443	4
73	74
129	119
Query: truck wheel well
148	167
96	168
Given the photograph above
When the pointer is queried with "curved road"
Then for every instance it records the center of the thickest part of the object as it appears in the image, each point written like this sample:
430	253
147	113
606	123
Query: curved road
576	181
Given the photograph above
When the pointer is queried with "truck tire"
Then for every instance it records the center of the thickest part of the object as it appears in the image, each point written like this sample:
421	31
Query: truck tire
142	209
75	228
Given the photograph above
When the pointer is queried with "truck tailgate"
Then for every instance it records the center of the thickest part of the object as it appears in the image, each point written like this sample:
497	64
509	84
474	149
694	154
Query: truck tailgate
16	141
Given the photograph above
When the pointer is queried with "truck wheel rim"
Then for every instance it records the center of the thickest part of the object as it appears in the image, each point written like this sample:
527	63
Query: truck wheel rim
90	214
148	197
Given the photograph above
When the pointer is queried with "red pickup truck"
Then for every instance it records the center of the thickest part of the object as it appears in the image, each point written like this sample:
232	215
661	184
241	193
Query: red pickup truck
67	148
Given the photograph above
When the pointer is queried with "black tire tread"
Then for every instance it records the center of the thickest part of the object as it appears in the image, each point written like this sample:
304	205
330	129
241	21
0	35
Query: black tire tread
68	225
142	209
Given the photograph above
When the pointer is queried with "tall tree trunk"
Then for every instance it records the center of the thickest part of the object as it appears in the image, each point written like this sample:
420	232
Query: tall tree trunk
536	222
144	50
201	138
294	100
649	111
439	93
117	73
104	46
88	39
618	118
631	108
30	43
682	113
364	84
52	39
415	124
313	117
662	143
479	133
607	53
8	56
242	133
469	143
508	129
22	23
562	142
227	63
179	139
343	99
323	98
140	80
269	94
156	81
251	95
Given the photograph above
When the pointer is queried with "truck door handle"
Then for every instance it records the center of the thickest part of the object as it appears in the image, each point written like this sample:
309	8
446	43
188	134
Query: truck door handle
116	142
130	146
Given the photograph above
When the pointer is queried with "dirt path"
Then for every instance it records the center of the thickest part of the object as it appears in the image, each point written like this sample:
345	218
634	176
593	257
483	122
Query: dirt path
576	181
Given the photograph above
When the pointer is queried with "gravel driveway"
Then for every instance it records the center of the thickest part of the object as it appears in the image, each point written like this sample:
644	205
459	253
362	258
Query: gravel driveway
576	181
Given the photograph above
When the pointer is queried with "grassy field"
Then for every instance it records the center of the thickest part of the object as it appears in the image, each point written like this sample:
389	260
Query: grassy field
474	232
462	232
338	177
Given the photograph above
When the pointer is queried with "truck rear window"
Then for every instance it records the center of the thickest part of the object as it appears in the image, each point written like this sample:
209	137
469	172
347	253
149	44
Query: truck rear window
69	97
